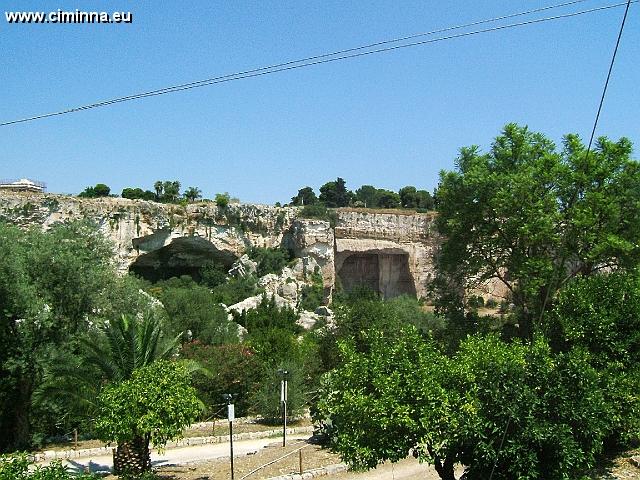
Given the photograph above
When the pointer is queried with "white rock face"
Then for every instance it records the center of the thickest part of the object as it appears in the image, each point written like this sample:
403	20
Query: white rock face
243	267
253	302
147	233
308	319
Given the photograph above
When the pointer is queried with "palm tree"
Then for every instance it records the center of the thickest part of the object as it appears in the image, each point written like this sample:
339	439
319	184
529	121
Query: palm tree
192	194
158	188
111	354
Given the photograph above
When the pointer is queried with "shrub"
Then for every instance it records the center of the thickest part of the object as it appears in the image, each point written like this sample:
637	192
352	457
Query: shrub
269	260
193	307
312	296
222	200
19	467
235	290
475	301
320	212
234	369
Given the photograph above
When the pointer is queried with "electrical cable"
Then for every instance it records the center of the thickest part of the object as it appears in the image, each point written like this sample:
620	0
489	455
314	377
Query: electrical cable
325	58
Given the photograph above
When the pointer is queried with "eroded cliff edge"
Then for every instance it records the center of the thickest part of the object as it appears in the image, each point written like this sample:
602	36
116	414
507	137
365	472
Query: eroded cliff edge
390	252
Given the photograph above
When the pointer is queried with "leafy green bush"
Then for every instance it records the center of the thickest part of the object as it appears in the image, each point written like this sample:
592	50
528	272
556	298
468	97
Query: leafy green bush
312	296
193	307
213	274
269	260
475	301
320	212
233	369
268	316
601	313
491	303
222	200
236	289
18	466
401	393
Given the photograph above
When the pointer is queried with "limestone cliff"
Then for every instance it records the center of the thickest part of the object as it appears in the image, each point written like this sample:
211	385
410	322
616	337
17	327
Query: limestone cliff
392	252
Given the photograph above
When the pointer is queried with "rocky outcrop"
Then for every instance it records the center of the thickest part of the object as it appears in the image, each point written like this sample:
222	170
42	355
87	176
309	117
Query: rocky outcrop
390	251
148	234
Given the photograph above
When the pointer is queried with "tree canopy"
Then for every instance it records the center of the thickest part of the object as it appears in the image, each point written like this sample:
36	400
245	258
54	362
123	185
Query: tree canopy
533	217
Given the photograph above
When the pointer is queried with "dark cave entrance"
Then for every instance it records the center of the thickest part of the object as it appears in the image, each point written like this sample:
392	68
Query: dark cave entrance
183	256
387	274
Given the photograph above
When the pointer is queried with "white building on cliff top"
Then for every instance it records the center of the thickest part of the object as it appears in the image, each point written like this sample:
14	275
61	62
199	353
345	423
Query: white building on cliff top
22	185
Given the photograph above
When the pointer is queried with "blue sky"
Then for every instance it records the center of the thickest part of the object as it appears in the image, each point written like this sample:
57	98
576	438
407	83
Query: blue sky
390	120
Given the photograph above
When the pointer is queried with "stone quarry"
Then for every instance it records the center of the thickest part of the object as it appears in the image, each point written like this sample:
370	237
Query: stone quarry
392	253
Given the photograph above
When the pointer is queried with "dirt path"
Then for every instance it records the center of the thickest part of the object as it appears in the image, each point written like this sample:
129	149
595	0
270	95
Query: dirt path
408	469
184	455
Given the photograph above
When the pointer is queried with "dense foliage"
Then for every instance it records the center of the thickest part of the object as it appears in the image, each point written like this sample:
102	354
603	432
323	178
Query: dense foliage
19	467
401	393
156	403
533	217
99	190
49	284
335	194
194	311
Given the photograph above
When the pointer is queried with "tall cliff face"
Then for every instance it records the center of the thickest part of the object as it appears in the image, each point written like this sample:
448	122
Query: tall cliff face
390	252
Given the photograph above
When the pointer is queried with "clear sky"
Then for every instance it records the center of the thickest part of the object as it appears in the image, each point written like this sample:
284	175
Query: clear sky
389	120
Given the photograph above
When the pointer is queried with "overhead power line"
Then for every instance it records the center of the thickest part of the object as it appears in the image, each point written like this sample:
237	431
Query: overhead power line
606	83
339	55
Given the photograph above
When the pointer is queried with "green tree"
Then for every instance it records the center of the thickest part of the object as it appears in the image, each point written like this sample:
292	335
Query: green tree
137	193
222	200
388	199
408	197
171	191
100	190
305	196
601	313
50	283
232	368
335	194
153	406
533	217
192	194
194	311
424	200
159	188
368	195
270	260
402	394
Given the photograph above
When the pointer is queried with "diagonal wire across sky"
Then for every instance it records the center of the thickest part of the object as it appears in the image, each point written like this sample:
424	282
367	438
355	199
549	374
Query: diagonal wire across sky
345	54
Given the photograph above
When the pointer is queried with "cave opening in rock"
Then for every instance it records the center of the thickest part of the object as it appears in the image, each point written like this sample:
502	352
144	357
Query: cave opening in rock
183	256
385	273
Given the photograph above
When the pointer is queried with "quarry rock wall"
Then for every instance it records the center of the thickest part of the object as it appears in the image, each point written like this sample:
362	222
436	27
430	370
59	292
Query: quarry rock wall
389	251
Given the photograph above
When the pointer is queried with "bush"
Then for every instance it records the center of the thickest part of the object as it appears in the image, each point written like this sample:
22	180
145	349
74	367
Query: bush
491	303
193	307
269	260
601	314
235	290
213	274
19	467
320	212
475	301
312	296
234	369
222	200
